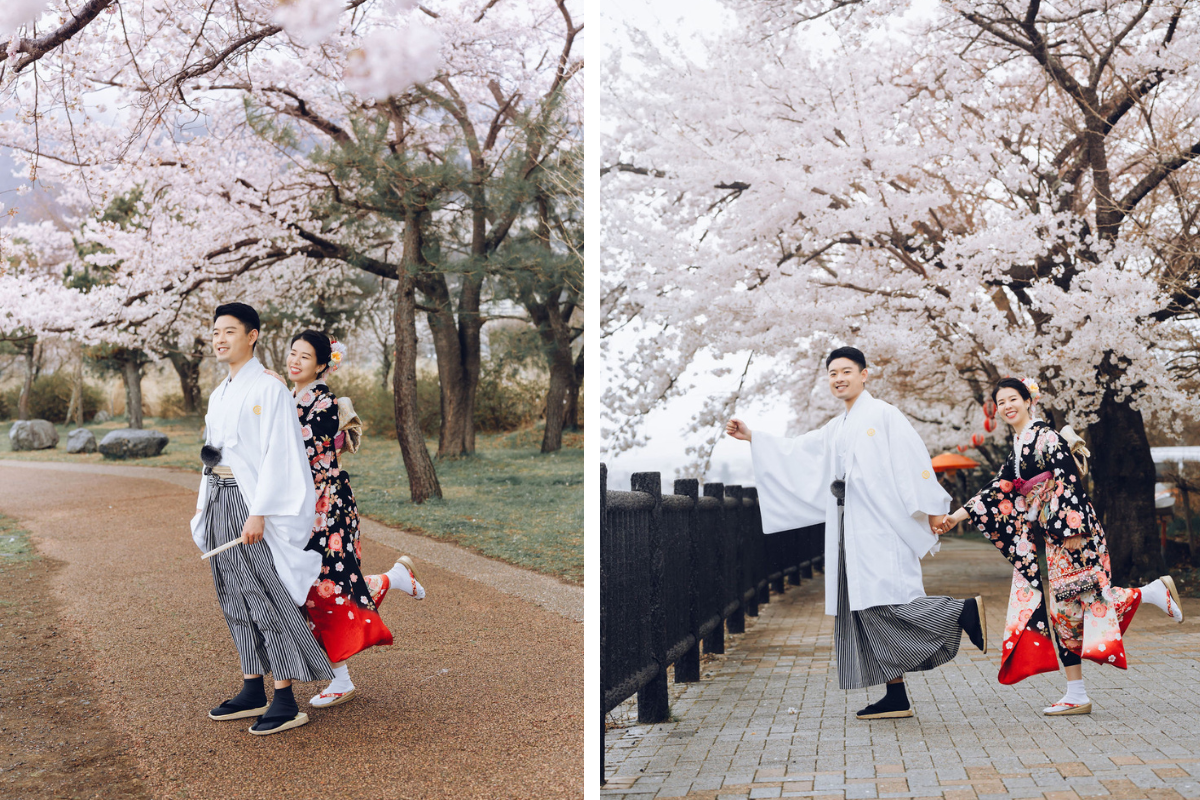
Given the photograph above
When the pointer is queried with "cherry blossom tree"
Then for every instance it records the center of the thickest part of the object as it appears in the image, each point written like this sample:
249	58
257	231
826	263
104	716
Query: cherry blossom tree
275	145
967	191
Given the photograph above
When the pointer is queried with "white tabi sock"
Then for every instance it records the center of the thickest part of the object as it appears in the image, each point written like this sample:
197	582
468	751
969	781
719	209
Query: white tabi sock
341	685
1155	593
400	578
1076	693
341	680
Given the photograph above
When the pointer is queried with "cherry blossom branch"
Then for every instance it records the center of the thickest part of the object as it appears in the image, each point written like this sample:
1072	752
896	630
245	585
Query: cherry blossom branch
36	48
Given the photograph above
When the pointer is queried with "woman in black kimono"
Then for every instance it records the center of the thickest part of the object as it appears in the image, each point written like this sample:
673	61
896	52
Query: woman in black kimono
1038	498
343	604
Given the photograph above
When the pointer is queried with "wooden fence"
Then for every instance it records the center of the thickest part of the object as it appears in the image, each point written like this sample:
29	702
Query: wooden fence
677	570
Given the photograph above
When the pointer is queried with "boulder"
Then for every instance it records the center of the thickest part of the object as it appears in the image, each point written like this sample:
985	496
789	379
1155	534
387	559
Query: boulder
81	440
33	434
132	443
101	416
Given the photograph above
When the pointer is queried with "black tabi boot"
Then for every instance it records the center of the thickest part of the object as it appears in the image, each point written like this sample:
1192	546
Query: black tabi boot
974	623
283	714
893	705
250	702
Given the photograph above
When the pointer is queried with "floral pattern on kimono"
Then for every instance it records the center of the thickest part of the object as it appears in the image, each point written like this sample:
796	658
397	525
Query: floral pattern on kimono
1088	613
342	604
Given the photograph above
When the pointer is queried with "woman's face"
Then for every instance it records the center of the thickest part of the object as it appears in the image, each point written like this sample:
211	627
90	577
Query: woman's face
302	363
1012	408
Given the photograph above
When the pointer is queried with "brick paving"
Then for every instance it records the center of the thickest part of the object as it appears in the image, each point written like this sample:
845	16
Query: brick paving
768	719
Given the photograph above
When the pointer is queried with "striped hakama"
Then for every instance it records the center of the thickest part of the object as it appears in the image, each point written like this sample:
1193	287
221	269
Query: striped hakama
271	633
880	644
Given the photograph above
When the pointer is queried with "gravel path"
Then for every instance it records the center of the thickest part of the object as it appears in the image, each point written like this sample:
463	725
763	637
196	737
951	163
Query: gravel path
481	696
543	590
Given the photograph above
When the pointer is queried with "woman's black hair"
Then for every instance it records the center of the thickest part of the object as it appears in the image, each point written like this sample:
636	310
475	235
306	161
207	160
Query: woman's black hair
1011	383
852	353
320	345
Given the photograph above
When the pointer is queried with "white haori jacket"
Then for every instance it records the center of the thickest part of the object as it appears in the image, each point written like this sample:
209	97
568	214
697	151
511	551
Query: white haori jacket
253	421
891	492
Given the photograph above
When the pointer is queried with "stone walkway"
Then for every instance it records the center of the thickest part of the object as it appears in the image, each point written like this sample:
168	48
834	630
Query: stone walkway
769	720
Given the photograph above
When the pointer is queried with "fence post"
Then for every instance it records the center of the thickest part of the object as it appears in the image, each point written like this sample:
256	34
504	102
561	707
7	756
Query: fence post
687	667
795	556
747	570
603	619
741	567
808	553
653	702
715	641
762	547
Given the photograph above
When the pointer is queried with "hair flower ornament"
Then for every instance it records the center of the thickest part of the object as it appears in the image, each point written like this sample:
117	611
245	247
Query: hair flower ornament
337	354
1034	391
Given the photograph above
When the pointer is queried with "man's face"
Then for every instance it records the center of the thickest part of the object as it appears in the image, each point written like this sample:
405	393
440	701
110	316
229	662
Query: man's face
846	379
231	343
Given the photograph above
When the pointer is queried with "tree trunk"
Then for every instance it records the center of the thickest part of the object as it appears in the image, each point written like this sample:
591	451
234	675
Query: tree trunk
562	374
422	478
188	369
27	384
131	374
453	346
571	420
470	329
1187	516
553	322
1123	492
75	406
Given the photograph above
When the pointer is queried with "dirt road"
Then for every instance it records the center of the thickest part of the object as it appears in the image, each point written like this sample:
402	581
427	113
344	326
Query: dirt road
115	648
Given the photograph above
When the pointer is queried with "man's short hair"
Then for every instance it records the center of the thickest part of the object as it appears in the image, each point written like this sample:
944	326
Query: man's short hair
852	353
242	313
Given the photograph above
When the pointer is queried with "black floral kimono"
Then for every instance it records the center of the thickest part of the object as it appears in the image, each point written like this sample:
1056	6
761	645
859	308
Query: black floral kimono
342	604
1039	496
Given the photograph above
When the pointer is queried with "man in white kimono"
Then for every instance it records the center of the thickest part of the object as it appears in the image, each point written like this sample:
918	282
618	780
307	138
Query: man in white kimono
867	476
258	490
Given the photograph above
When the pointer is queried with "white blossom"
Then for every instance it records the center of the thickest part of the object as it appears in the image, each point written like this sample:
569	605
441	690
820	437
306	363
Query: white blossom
390	61
16	13
310	21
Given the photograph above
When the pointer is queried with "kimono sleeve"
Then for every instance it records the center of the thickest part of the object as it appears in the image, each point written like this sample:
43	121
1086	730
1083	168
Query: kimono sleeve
1068	504
792	479
323	423
322	427
283	475
993	507
912	470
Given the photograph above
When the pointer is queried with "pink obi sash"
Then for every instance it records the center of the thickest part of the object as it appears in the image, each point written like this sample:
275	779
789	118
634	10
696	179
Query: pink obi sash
1027	486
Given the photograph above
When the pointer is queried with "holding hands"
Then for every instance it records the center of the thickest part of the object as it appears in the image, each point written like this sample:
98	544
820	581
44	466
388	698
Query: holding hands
948	522
737	429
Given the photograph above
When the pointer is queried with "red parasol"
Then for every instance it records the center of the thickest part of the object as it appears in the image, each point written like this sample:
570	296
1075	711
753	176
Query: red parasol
949	462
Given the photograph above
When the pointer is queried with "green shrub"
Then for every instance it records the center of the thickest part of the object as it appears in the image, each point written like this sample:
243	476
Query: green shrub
371	400
50	398
506	402
169	406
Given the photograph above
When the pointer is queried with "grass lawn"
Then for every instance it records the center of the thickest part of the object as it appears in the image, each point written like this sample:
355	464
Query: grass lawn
14	542
508	501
